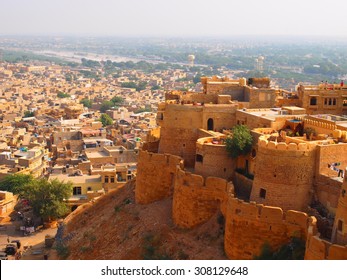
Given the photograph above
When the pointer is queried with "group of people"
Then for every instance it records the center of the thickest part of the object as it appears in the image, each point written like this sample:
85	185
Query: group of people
331	86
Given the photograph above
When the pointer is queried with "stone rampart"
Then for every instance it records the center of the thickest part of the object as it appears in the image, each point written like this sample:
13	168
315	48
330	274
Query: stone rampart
197	199
319	249
179	131
155	176
212	158
249	226
284	174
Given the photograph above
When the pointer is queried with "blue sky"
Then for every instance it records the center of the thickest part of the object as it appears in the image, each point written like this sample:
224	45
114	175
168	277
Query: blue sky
173	18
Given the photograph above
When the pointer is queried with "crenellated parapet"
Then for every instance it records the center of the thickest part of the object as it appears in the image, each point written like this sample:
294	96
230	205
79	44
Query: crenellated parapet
263	143
197	199
284	174
249	226
155	176
320	249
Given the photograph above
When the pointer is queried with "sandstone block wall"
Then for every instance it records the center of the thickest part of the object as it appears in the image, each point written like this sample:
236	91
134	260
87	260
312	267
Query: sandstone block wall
327	191
196	200
242	185
339	235
286	173
252	121
223	116
151	146
200	98
262	98
180	125
319	249
215	160
249	226
179	131
155	176
328	154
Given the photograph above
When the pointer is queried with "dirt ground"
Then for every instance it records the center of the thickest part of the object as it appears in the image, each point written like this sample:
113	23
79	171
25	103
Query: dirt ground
114	227
32	246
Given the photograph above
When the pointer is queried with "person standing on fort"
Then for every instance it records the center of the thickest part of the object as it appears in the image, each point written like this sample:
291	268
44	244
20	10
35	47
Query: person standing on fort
341	84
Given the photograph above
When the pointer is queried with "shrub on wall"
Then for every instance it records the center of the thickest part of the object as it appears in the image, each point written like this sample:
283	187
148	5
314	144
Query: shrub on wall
240	143
294	250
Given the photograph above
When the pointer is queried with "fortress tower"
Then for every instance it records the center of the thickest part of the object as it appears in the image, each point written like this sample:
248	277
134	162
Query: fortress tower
284	174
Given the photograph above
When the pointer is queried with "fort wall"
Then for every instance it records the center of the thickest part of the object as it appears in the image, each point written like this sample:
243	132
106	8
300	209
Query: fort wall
249	226
327	191
339	234
283	172
262	98
180	125
179	131
252	121
213	159
242	185
155	176
200	98
197	199
320	249
328	154
222	116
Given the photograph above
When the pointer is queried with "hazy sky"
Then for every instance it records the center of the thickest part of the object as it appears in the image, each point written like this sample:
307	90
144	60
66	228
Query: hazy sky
173	18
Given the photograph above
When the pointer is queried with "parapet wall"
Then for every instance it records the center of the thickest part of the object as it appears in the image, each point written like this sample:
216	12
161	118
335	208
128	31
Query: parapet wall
197	199
284	174
213	158
155	176
249	226
319	249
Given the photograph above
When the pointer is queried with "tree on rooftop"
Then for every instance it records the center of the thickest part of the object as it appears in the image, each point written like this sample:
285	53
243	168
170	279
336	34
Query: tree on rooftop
240	143
47	198
106	120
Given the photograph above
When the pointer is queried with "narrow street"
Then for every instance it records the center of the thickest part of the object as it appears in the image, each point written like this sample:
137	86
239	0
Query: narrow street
32	246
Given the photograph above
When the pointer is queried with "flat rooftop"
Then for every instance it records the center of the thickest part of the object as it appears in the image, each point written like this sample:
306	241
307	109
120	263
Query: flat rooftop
96	154
76	179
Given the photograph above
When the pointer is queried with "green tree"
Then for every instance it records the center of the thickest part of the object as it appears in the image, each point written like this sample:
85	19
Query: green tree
47	198
86	102
156	87
106	120
15	183
241	141
28	114
106	105
128	85
117	100
62	95
141	86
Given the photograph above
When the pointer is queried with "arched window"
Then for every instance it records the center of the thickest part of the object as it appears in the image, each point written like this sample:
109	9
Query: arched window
210	124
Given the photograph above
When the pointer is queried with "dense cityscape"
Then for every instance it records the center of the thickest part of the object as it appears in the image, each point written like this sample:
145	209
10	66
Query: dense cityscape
172	138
